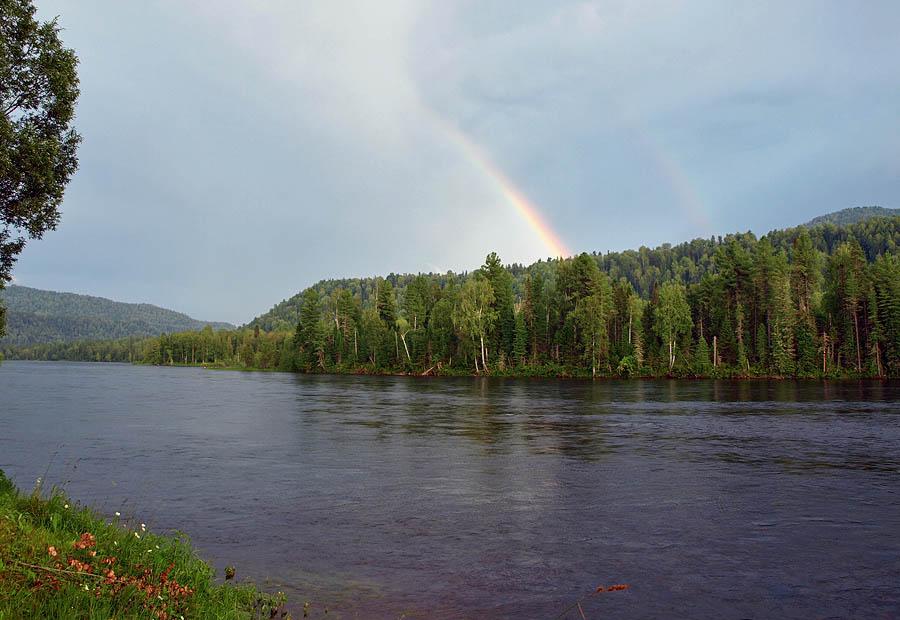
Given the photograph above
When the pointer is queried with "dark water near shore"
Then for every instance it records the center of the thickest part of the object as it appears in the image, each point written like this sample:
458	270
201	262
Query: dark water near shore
470	498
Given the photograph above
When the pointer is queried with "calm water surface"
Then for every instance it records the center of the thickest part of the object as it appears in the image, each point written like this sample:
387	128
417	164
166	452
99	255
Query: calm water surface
473	498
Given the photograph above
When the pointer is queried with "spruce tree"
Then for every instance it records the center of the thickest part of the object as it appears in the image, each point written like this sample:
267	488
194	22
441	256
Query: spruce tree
701	364
520	346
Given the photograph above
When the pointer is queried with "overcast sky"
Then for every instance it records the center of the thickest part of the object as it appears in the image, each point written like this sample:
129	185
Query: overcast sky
236	152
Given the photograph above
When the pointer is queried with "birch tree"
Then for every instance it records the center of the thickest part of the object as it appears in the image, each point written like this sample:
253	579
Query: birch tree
474	316
672	316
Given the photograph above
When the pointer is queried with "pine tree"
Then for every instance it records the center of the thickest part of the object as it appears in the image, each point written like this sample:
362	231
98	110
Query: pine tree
386	302
781	316
637	309
309	337
743	363
804	281
764	277
701	363
886	283
520	345
533	313
502	335
847	288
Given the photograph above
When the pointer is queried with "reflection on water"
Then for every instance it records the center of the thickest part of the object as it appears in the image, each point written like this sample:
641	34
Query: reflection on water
492	498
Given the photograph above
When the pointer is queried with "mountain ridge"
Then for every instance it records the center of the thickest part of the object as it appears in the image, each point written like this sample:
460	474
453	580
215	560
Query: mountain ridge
40	316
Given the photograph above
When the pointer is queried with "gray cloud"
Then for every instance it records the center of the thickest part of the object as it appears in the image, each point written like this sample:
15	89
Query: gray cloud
236	152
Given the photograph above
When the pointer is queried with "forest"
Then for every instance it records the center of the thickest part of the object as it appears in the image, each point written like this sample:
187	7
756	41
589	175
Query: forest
812	301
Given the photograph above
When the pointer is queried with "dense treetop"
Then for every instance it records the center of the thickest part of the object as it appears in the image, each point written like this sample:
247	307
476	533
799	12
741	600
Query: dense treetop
643	268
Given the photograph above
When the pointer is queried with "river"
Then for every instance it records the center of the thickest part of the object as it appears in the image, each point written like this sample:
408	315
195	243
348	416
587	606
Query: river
378	497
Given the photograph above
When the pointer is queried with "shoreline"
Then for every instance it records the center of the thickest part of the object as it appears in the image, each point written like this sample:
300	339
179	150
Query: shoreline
60	557
365	372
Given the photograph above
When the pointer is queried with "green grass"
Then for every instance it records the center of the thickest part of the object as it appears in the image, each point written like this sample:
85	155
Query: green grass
56	558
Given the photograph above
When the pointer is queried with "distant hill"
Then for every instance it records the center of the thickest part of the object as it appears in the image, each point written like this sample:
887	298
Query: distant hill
35	316
852	216
877	228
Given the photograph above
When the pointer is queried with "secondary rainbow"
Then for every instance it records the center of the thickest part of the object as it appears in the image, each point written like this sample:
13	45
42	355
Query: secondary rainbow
688	199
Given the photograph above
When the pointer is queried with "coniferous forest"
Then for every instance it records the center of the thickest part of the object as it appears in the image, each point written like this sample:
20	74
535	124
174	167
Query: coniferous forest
813	301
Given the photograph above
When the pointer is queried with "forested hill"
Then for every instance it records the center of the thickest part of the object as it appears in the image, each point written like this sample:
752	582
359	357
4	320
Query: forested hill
37	316
853	215
805	302
642	268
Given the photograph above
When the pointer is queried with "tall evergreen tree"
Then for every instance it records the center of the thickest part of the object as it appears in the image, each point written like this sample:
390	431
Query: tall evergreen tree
520	344
503	334
309	336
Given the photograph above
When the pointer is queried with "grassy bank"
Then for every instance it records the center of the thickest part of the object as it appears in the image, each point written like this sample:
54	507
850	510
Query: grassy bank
59	560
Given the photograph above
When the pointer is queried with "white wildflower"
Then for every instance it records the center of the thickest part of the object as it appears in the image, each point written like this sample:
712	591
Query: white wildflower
143	527
65	505
118	514
136	535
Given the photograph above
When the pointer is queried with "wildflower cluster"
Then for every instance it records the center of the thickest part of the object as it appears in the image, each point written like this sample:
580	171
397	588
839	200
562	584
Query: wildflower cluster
162	597
57	556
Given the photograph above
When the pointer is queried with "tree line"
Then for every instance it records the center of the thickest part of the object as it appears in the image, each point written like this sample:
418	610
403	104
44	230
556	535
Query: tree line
804	302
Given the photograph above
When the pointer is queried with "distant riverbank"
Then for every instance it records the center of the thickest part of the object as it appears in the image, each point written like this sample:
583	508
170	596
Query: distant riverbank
546	371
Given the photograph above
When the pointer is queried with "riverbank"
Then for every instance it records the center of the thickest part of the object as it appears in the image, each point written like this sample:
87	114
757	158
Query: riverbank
134	353
62	560
545	371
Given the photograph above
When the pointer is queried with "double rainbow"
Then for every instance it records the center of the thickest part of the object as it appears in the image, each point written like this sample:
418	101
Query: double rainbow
688	200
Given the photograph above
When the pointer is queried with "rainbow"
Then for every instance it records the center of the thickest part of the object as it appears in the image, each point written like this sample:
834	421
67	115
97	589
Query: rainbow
507	189
668	168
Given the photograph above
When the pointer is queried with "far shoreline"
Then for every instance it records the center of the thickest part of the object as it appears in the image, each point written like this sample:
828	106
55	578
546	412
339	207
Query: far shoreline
463	375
